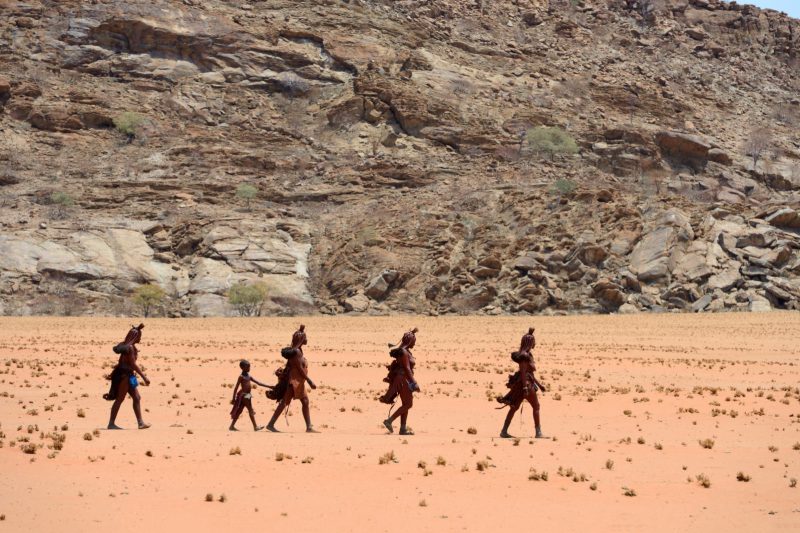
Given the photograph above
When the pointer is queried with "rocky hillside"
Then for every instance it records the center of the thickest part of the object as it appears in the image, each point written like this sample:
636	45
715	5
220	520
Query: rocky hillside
386	145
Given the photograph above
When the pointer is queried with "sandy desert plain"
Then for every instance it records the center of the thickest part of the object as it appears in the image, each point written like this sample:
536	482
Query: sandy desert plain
643	411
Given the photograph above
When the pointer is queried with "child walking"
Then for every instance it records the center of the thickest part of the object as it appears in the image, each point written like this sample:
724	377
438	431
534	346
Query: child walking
243	397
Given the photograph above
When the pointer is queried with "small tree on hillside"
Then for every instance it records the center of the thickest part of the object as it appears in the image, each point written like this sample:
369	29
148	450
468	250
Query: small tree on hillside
757	144
61	202
246	192
248	300
551	141
129	123
147	297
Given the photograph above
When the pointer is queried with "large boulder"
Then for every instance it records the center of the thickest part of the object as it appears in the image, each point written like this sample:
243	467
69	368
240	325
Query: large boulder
357	303
379	286
683	147
608	294
784	218
652	257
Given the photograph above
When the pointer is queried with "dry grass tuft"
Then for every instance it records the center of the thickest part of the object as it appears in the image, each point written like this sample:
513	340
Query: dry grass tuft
388	457
741	476
533	475
703	481
707	443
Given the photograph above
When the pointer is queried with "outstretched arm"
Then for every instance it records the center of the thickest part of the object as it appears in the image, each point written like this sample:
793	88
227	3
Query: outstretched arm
254	380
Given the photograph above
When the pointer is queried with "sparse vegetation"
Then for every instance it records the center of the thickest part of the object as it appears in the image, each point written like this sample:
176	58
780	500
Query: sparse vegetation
741	476
147	297
292	84
248	299
61	203
703	480
551	141
129	124
388	457
534	475
757	144
246	192
707	443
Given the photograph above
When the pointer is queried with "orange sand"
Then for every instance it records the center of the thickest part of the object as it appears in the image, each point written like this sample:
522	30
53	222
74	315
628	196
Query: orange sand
598	368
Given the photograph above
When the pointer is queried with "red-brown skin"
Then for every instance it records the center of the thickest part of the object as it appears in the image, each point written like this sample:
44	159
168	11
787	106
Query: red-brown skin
129	360
298	377
404	382
529	383
243	386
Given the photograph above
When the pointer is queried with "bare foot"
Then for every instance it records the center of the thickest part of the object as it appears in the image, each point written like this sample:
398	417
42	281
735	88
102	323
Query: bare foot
144	425
406	431
272	429
506	435
113	426
388	425
311	430
232	429
258	428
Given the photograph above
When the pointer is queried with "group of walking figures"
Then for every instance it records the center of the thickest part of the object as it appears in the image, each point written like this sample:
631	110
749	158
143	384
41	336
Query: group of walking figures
293	377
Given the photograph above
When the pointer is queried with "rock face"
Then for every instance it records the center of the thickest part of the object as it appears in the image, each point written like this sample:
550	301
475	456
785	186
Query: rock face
383	145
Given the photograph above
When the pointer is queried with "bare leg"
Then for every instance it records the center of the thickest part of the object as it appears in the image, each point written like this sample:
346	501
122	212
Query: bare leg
122	391
402	413
511	411
307	415
278	411
252	414
137	407
537	423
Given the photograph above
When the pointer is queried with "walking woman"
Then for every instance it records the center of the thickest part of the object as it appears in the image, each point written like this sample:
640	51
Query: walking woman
123	378
401	382
295	377
523	385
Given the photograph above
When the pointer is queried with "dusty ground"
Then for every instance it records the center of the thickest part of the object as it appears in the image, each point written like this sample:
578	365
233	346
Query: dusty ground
639	391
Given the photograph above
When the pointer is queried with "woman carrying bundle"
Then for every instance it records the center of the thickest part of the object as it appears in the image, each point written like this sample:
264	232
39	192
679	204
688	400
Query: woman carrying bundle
123	378
401	382
523	385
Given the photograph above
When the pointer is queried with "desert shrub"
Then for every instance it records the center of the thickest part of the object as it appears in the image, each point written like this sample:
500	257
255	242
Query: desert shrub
129	123
757	144
148	296
564	187
61	203
292	84
246	192
248	299
551	141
